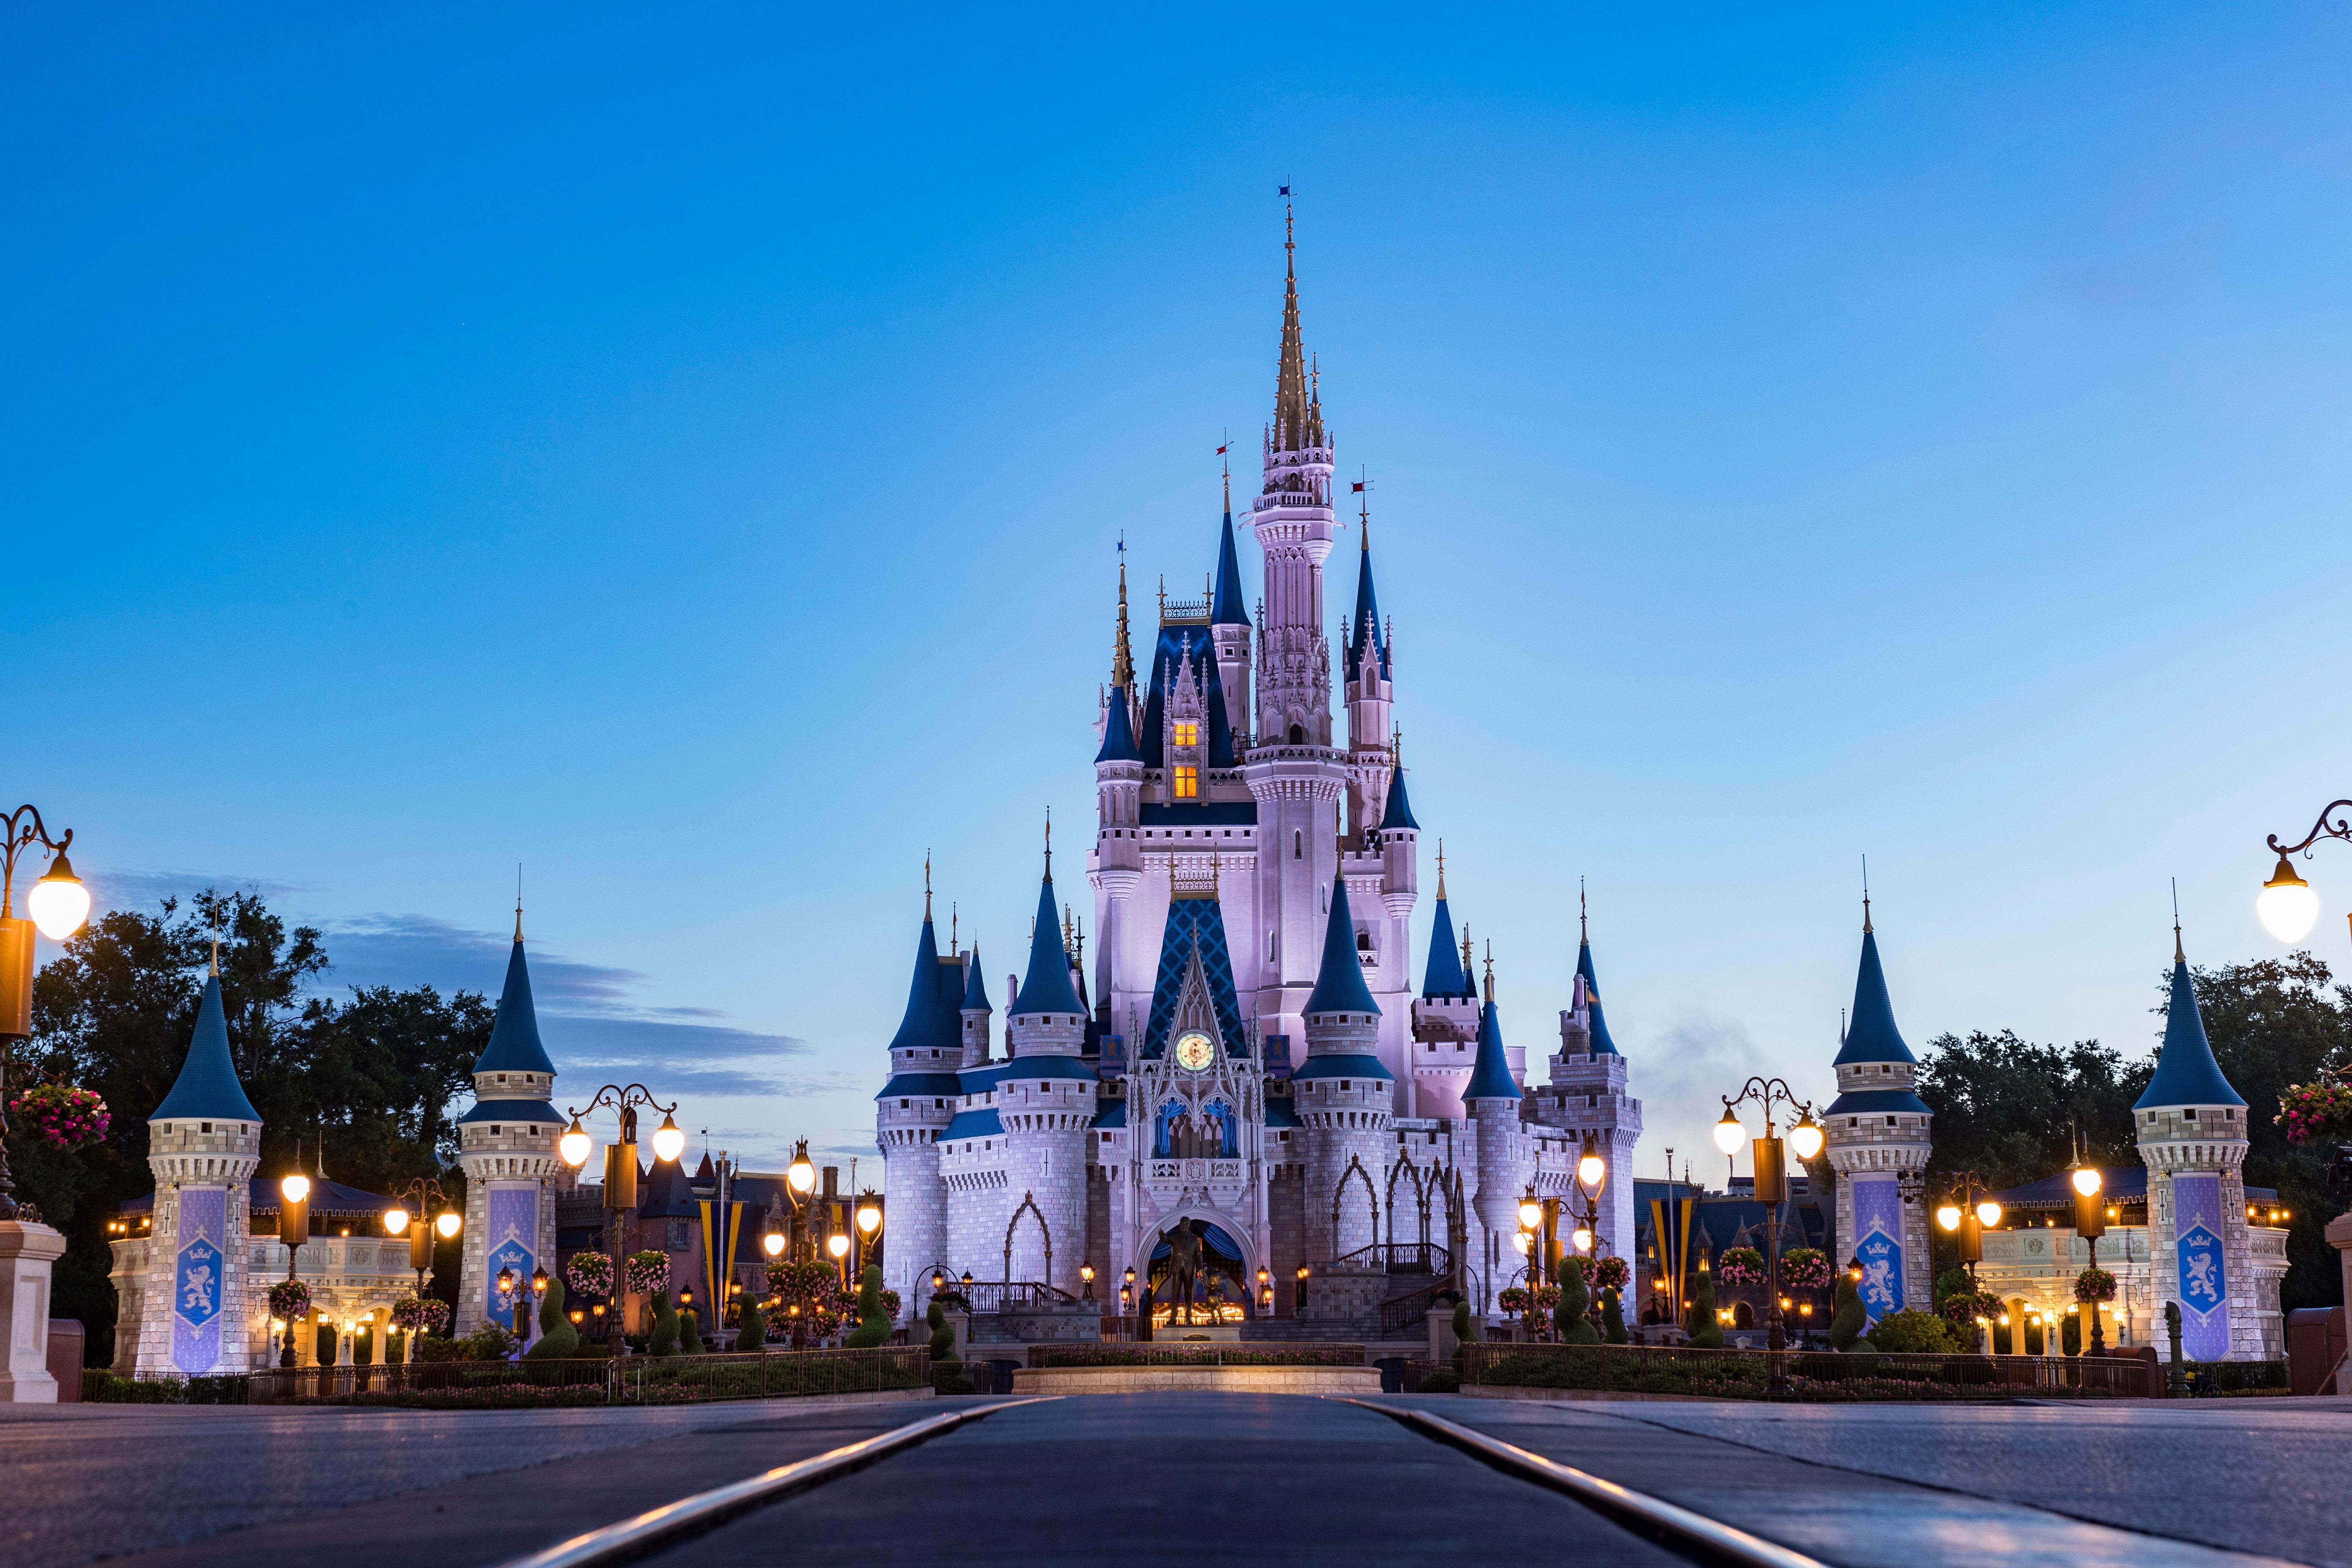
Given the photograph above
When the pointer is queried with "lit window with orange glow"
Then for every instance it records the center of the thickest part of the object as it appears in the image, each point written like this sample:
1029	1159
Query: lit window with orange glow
1188	784
1188	735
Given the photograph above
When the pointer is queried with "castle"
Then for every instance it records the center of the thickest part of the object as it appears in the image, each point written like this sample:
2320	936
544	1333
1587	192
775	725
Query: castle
1247	1062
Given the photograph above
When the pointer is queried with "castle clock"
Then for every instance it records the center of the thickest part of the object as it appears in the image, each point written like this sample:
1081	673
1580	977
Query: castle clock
1195	1051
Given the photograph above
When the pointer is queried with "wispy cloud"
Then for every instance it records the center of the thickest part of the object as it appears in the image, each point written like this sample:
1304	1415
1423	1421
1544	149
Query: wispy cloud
411	950
146	889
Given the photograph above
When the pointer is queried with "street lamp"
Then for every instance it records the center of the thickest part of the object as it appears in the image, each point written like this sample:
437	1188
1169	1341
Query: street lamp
411	1203
1769	1160
2286	906
869	1223
57	904
620	1166
1966	1212
293	1230
1086	1274
2090	1224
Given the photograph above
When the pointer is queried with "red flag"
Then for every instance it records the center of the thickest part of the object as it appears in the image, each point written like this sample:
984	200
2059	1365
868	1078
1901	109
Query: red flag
1220	451
1359	484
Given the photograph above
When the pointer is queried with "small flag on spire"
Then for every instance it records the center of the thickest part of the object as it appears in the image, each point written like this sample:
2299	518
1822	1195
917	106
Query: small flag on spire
1284	191
1358	486
1220	451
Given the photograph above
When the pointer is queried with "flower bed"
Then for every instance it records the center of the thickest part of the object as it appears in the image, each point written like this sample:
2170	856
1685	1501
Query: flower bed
1182	1355
482	1396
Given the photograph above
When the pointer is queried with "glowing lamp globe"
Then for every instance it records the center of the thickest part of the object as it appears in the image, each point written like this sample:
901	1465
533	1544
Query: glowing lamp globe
1949	1216
1582	1237
1530	1213
1522	1240
668	1142
1805	1137
2286	906
2086	1180
58	903
1988	1214
869	1219
773	1243
396	1222
838	1245
1729	1134
450	1223
575	1144
295	1188
801	1175
1590	1169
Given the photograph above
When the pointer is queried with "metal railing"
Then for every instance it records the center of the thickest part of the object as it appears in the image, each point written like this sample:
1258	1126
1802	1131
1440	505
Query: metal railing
1393	1257
1197	1355
1406	1311
631	1380
996	1296
1811	1375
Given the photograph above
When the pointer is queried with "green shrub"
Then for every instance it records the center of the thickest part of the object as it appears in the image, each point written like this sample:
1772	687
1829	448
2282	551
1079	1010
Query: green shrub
1847	1326
690	1333
1914	1333
943	1333
752	1335
663	1341
1465	1328
1575	1301
1953	1282
873	1323
557	1337
1612	1319
947	1377
1440	1380
1705	1333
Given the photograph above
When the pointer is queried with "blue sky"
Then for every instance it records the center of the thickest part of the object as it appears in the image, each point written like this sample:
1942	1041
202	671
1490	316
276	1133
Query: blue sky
683	453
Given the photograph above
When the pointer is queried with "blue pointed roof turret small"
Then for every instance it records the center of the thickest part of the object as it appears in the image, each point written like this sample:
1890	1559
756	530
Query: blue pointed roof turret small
1119	735
1490	1074
1226	607
1046	988
1221	729
514	1034
1872	1036
928	1023
1397	816
1444	976
1339	984
207	1087
1364	629
1603	1045
2186	1071
975	984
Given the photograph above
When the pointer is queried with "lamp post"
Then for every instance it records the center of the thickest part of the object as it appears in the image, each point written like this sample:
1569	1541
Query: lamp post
1768	1154
293	1230
412	1204
2090	1224
1086	1274
621	1168
869	1227
1966	1212
57	904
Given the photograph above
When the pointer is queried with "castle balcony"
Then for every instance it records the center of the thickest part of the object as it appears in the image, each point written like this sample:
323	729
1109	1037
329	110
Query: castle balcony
1194	1171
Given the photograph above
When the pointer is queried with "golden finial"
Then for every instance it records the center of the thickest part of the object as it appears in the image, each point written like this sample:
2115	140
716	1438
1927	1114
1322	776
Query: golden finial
517	900
1214	870
927	887
1469	966
1584	936
1441	867
1865	895
1065	927
1490	969
955	945
1049	844
2178	955
1122	658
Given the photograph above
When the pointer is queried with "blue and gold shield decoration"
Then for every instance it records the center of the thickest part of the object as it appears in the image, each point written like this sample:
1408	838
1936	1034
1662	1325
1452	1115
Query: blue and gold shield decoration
1878	1228
198	1280
513	1216
2202	1281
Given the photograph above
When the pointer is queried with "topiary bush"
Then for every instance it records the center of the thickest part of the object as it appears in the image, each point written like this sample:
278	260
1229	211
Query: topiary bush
1847	1326
557	1337
1705	1333
752	1334
1465	1328
1914	1333
1612	1319
942	1333
1568	1316
872	1323
689	1335
663	1341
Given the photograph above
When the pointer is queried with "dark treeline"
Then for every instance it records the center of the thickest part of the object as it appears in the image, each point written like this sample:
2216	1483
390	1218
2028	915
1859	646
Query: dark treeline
373	1073
2005	1107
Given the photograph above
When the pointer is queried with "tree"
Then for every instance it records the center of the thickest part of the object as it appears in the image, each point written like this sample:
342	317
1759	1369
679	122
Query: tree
2006	1107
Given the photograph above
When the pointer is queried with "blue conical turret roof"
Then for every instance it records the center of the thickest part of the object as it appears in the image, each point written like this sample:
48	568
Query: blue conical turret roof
1603	1045
1046	988
1339	984
1399	813
1490	1077
975	983
1444	976
928	1023
2186	1073
1221	729
1225	609
1872	1036
514	1037
1364	626
207	1087
1119	735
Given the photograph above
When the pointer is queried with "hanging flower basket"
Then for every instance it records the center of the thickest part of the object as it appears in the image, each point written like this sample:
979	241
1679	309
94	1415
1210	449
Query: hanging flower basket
590	1273
1582	1265
1546	1298
802	1282
61	1117
2094	1285
2320	1111
1513	1298
289	1300
1804	1268
648	1272
890	1304
420	1315
1740	1265
1612	1273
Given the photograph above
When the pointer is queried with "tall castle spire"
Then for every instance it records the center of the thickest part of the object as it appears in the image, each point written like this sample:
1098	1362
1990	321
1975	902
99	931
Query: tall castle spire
1122	658
1290	395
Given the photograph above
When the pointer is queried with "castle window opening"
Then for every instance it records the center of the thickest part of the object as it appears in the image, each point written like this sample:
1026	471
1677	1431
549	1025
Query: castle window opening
1188	785
1188	735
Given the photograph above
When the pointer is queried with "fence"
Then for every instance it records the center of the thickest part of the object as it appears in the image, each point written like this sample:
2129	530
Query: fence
1811	1375
1180	1355
634	1380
